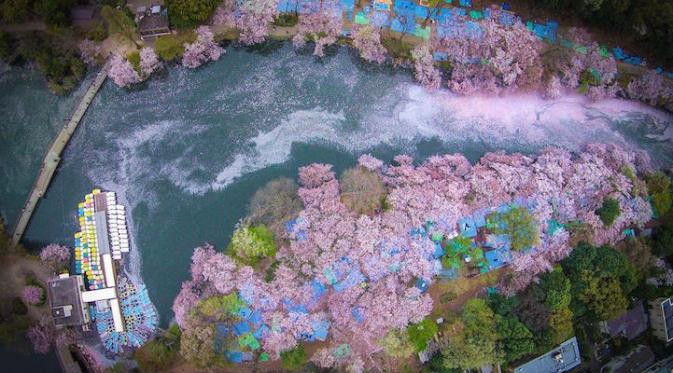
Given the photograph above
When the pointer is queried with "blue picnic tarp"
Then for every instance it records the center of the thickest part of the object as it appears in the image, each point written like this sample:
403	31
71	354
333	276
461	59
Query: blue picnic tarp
357	314
422	285
467	227
403	24
234	356
245	312
380	19
241	328
256	318
498	257
440	56
421	11
354	278
439	251
320	329
261	331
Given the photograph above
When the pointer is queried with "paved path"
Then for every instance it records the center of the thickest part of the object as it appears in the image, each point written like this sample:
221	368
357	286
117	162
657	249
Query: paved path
53	156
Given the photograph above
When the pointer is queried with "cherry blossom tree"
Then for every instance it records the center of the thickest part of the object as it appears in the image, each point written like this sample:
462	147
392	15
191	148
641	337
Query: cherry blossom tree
55	255
322	27
42	336
367	40
90	52
552	89
121	72
256	17
32	295
650	88
202	50
149	61
492	58
425	72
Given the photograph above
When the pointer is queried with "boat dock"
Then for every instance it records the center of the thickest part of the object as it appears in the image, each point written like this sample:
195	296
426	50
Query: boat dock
53	157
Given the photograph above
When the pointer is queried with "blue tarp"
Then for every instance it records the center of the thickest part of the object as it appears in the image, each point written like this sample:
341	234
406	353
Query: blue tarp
357	314
619	53
422	285
498	257
404	25
347	4
259	333
320	330
440	56
467	227
355	277
317	290
222	330
245	312
439	251
465	3
380	19
241	328
234	356
421	11
256	318
296	308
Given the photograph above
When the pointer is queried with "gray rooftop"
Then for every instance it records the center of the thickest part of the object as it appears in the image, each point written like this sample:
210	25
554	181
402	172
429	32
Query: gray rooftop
629	325
65	301
561	359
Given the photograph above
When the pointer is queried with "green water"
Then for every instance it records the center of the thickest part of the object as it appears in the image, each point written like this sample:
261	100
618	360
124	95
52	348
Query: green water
186	150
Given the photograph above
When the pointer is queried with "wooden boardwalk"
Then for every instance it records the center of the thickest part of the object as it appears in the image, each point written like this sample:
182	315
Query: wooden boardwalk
53	157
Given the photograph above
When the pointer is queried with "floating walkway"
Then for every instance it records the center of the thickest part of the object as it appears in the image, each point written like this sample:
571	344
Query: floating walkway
53	156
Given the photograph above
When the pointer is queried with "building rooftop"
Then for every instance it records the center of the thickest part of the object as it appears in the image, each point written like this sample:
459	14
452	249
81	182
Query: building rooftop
154	24
560	359
65	301
629	325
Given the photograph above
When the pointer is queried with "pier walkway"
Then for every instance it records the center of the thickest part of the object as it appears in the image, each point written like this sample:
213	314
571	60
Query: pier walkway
53	157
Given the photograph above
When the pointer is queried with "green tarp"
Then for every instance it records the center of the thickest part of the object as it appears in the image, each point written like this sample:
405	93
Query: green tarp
361	19
423	33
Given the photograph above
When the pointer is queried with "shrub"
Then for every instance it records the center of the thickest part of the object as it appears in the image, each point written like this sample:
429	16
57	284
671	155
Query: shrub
275	204
154	356
190	13
420	334
134	60
519	224
609	211
33	295
98	32
286	20
120	21
170	47
5	45
396	344
55	255
293	359
659	187
250	244
15	11
362	190
62	67
18	307
54	12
